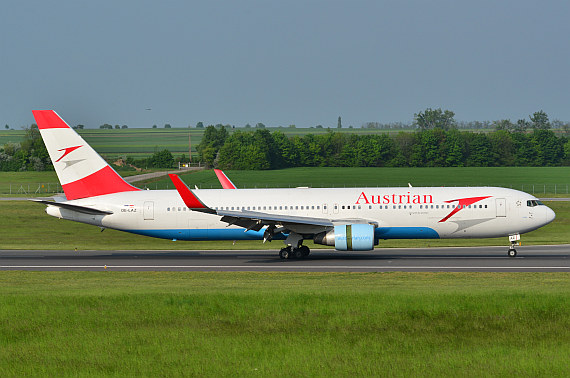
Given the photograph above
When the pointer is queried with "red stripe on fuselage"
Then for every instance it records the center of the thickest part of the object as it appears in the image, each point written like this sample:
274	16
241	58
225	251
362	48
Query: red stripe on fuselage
104	181
48	119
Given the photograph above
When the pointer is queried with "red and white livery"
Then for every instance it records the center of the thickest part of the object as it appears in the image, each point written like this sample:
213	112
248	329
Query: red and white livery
346	218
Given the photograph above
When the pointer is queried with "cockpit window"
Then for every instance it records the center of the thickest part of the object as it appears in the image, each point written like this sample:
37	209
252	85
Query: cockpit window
533	203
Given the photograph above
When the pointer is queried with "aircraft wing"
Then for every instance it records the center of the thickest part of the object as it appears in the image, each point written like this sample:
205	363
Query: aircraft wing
254	220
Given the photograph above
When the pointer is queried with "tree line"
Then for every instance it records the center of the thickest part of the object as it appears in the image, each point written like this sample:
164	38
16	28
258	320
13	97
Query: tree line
431	147
436	143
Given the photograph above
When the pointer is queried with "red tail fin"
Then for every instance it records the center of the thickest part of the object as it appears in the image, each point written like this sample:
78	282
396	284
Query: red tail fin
81	171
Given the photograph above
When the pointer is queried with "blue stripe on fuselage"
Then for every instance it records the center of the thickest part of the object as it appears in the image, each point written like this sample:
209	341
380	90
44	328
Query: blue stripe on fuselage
405	233
239	234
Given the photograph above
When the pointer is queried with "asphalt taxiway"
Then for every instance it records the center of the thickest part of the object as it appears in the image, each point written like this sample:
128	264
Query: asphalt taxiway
554	258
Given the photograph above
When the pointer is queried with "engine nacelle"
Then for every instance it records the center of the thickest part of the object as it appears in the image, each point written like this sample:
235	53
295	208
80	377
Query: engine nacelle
348	237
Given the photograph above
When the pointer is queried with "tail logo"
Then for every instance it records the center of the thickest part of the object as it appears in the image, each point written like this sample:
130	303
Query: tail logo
67	151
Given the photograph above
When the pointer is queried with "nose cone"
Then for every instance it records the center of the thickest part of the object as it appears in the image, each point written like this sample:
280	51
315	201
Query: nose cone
550	215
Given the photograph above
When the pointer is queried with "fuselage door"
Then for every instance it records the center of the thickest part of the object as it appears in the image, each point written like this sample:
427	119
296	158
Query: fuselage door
148	210
335	208
501	205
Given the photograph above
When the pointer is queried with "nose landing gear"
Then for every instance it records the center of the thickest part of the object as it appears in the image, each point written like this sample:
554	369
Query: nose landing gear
515	241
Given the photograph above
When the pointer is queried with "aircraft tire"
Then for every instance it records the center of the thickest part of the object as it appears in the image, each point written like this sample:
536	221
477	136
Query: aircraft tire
298	253
285	253
512	252
305	251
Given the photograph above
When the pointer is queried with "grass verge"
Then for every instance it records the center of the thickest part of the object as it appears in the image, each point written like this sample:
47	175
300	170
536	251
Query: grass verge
283	324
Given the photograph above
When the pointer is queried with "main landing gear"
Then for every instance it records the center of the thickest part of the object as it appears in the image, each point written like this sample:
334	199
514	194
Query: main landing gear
294	253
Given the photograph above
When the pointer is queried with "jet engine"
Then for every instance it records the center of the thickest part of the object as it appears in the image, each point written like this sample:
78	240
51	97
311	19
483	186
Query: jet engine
348	237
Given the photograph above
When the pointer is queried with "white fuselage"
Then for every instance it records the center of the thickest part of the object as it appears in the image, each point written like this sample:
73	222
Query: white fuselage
398	213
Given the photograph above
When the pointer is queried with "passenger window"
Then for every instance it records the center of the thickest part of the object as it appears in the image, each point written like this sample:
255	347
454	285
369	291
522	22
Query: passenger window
342	207
358	207
168	209
296	207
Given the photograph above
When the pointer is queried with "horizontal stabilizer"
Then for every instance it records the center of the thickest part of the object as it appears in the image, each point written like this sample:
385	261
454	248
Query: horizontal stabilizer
79	209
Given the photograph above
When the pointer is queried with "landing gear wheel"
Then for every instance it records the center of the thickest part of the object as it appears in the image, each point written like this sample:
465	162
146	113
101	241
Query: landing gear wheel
285	253
512	252
305	251
298	253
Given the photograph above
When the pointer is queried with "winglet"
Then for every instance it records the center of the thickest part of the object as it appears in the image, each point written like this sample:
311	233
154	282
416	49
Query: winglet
224	180
189	198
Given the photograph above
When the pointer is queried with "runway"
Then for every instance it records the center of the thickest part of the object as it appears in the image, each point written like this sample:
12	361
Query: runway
472	259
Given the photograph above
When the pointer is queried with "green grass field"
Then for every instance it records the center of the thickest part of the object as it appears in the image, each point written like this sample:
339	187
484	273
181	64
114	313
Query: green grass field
141	142
540	180
24	225
537	180
284	324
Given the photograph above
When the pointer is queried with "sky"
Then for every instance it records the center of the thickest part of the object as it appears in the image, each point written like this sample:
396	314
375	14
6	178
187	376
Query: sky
282	62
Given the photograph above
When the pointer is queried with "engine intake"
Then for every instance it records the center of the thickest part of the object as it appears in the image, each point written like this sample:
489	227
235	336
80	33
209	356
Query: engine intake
348	237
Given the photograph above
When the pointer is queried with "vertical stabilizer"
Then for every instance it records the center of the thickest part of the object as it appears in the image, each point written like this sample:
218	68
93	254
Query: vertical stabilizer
81	171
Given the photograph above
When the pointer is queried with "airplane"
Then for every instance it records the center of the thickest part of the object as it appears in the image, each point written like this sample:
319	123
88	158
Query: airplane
224	180
349	219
